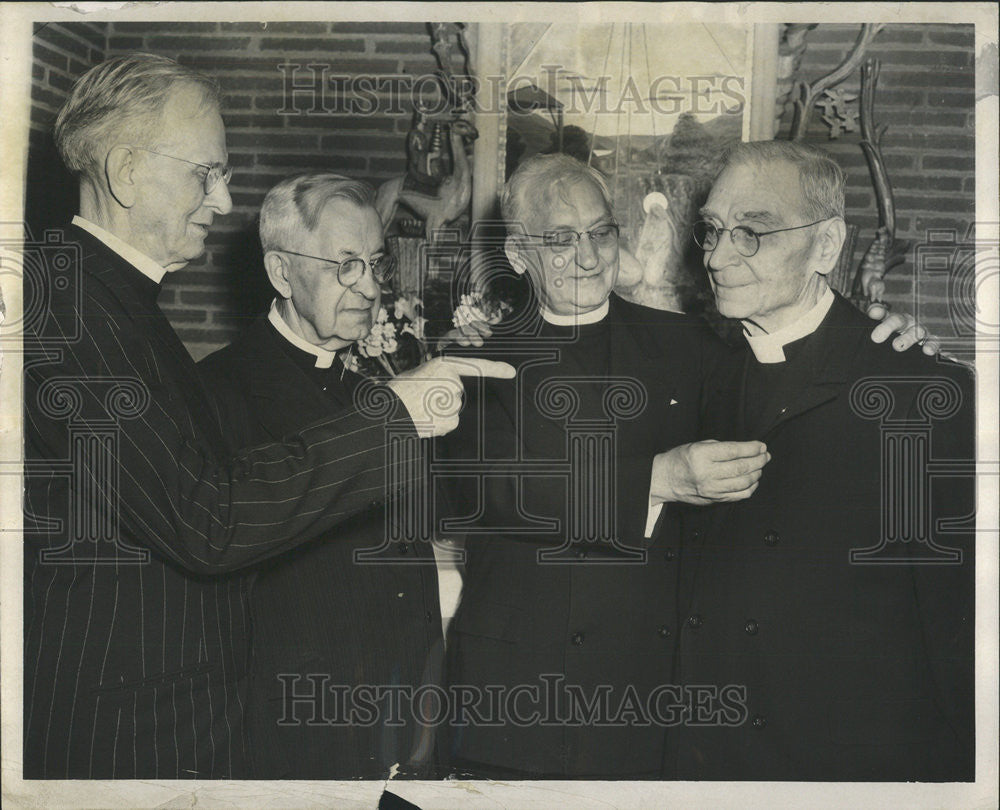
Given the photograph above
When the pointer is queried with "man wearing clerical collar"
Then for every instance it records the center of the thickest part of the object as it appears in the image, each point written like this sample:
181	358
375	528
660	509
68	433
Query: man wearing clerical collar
570	602
325	623
835	598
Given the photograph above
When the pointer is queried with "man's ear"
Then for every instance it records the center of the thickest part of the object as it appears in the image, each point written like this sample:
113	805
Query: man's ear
277	267
829	243
512	246
119	173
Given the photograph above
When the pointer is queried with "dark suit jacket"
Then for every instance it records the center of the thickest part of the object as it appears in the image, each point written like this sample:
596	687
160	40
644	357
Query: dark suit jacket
589	618
323	622
135	517
852	670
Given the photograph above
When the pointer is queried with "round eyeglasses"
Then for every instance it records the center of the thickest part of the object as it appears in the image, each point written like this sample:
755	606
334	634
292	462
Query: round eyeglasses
213	173
601	236
350	271
745	240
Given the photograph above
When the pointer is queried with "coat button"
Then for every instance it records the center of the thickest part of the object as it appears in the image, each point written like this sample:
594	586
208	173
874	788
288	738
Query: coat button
771	538
696	535
581	553
663	631
404	548
759	721
669	554
694	621
429	616
751	628
577	639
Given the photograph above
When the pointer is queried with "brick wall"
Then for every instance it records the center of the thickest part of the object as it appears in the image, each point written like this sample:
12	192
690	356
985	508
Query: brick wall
925	95
269	136
61	53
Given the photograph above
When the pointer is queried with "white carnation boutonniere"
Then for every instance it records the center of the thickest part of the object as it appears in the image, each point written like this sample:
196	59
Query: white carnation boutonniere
475	306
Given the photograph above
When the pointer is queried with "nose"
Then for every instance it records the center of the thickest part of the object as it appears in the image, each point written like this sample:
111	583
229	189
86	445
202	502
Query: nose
219	200
366	285
724	253
586	254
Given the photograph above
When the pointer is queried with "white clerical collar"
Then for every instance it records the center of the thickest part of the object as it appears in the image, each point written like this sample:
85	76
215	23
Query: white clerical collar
771	348
139	260
324	357
581	319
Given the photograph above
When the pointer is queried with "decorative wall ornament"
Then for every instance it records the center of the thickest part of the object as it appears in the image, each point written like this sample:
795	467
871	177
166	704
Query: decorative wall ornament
437	185
885	251
810	94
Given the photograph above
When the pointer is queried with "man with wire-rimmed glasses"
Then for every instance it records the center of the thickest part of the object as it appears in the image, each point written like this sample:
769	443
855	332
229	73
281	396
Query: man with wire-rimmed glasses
325	624
139	516
570	615
841	605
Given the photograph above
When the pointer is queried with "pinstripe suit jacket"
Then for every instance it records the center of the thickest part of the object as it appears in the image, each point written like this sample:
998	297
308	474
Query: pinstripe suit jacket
136	518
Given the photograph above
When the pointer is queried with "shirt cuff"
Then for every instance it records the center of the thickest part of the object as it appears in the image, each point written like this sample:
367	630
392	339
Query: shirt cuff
651	517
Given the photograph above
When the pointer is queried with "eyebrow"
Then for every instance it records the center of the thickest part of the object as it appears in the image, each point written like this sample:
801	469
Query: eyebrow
767	218
764	217
604	218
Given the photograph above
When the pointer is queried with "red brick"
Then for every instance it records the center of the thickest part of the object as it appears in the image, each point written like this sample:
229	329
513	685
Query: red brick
200	44
927	202
314	160
419	45
125	43
371	143
949	162
49	57
899	34
326	45
380	28
271	141
962	35
953	100
917	182
58	37
303	27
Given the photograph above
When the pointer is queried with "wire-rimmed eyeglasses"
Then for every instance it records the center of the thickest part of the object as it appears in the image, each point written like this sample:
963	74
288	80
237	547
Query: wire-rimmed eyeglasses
601	236
746	240
350	271
213	173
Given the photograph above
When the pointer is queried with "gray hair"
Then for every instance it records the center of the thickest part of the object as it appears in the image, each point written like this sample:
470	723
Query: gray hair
821	179
297	202
538	178
119	100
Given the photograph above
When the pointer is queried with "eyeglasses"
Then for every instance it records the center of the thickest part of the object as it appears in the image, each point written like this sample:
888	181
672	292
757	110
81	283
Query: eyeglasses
212	177
350	271
601	236
745	240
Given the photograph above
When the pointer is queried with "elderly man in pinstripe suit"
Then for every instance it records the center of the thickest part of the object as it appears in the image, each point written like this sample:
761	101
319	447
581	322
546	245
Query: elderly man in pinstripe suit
136	514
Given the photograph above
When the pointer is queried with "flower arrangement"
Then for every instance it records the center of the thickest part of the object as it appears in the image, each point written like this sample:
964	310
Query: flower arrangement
399	338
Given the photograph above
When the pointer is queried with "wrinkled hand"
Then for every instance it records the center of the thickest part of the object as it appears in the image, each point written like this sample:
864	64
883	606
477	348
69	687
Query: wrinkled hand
471	334
708	472
432	392
910	332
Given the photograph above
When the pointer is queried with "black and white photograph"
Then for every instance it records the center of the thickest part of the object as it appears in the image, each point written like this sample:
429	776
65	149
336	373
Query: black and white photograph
514	405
